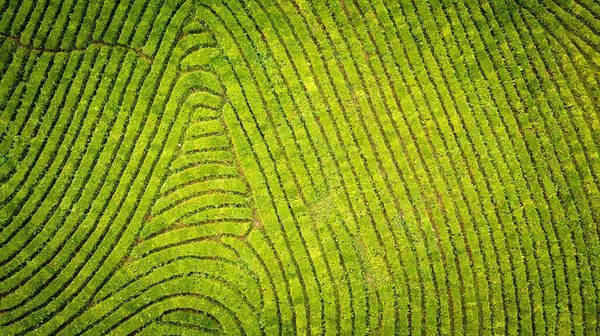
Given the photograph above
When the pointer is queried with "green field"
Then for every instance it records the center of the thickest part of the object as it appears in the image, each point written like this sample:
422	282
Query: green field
295	167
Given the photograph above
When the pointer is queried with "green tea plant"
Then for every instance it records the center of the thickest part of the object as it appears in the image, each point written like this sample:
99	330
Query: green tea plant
335	167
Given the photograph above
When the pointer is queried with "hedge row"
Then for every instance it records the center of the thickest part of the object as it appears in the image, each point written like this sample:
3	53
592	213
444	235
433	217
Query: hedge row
102	240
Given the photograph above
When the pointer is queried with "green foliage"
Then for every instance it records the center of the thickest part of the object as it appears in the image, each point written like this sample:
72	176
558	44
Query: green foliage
299	167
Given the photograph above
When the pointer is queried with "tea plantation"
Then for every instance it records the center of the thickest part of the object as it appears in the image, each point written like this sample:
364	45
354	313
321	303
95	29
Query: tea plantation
296	167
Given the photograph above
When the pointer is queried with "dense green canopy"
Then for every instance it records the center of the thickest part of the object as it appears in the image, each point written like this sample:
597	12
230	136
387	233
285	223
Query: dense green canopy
278	167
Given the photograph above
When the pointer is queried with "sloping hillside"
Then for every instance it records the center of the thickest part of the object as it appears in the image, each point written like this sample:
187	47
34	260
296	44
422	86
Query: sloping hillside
279	167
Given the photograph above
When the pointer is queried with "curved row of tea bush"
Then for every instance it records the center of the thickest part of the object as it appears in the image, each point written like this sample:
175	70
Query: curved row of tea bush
394	93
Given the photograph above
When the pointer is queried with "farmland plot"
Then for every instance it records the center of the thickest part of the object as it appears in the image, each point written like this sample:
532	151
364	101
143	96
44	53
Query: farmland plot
279	167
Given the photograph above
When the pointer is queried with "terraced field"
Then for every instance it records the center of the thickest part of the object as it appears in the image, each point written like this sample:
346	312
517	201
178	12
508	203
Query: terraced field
278	167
